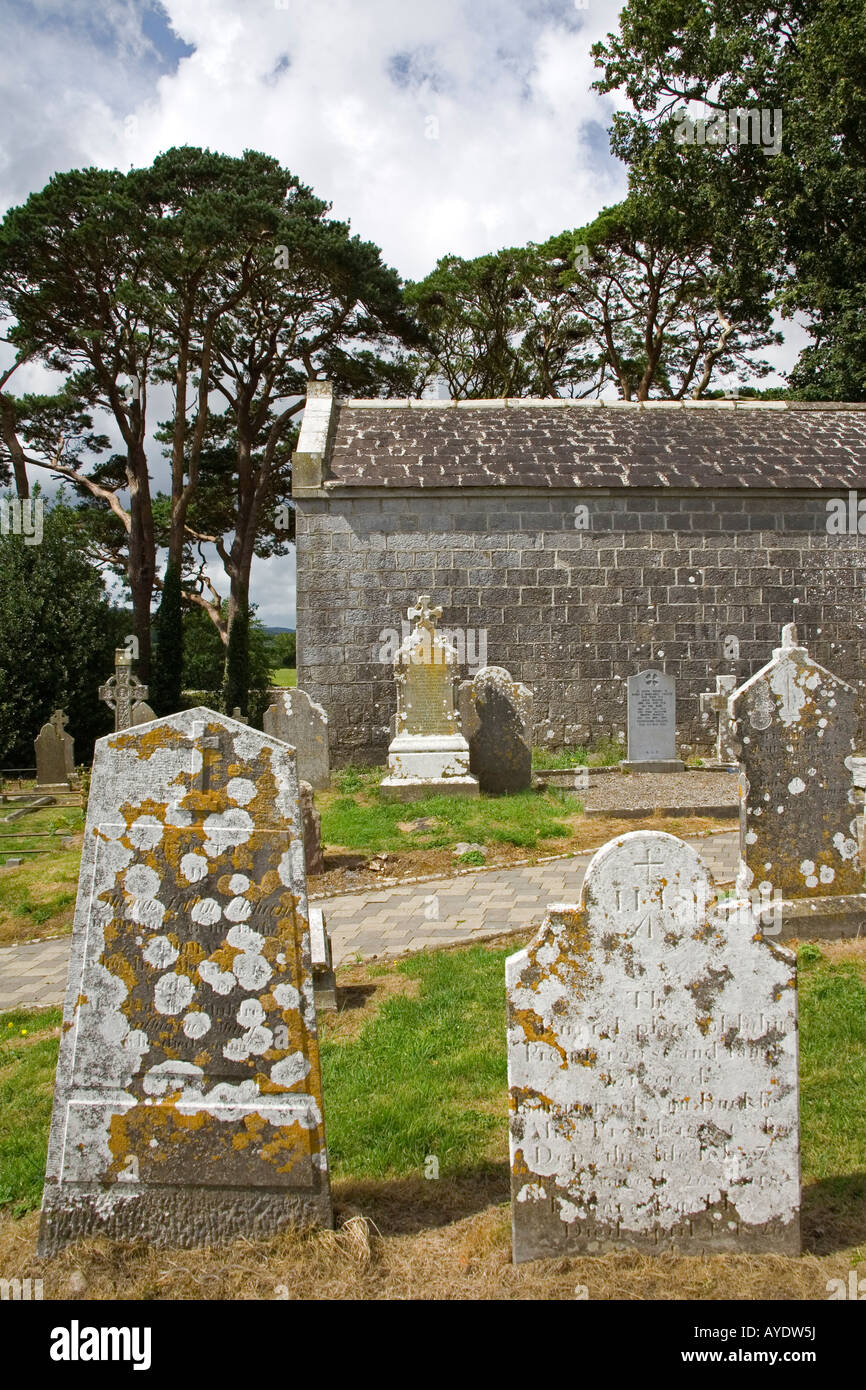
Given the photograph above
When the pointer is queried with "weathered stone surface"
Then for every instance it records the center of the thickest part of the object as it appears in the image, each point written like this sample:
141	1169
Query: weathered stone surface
55	752
652	1066
652	723
428	754
496	719
298	720
141	713
794	725
324	979
312	823
715	702
188	1103
123	689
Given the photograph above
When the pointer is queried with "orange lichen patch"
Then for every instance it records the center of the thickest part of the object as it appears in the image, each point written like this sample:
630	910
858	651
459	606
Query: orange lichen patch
121	968
190	955
292	1145
253	1127
535	1030
145	744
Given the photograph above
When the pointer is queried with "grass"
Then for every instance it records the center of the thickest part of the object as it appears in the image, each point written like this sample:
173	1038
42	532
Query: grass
355	818
414	1070
285	676
37	897
606	752
28	1057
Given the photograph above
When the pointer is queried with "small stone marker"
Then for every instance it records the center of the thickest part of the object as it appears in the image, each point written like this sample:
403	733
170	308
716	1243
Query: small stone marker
428	755
121	690
652	723
238	717
716	702
652	1066
298	720
312	823
188	1102
496	718
794	725
55	752
141	713
324	979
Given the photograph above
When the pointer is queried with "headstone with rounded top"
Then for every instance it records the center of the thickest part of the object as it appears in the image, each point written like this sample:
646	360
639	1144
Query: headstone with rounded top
55	752
652	1067
188	1101
496	719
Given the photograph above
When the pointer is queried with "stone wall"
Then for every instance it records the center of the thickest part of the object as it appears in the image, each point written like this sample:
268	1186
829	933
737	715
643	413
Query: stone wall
660	577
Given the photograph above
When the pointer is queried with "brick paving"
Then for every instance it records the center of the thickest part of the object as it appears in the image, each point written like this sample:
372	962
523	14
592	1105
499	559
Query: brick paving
387	921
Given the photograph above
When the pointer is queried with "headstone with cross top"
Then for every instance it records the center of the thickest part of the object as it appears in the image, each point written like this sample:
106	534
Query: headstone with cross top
122	690
716	702
427	616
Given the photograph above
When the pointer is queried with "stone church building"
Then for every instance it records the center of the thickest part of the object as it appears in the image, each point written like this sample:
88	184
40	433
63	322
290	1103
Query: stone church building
575	543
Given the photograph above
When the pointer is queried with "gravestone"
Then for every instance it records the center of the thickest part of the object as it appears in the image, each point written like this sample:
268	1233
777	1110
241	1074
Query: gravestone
652	723
123	689
716	702
857	797
652	1067
188	1101
312	823
298	720
324	979
794	725
496	719
428	755
55	752
141	713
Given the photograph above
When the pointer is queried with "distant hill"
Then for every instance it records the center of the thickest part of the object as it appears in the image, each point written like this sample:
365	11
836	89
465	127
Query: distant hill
274	631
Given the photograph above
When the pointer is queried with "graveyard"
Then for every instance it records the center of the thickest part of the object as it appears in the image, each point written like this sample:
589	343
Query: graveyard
433	666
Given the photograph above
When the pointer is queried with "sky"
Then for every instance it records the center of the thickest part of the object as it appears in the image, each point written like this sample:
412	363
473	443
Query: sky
433	126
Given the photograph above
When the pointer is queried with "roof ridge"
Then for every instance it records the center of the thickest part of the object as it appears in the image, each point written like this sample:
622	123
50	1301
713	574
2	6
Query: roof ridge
569	402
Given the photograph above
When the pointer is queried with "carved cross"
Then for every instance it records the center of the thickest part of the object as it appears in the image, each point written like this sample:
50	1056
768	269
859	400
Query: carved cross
58	722
716	702
122	690
648	863
427	616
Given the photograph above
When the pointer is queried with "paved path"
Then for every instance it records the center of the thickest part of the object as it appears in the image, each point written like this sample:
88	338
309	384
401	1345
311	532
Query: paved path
387	921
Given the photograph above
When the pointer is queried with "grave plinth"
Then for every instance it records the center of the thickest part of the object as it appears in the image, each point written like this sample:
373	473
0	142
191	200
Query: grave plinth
652	1068
794	725
428	755
652	722
188	1100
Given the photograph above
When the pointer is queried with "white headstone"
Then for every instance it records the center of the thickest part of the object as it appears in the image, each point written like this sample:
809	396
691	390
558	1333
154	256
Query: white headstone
652	1066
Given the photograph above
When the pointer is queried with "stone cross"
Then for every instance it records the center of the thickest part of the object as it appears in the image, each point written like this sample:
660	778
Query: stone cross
188	1100
716	702
122	690
652	1067
427	616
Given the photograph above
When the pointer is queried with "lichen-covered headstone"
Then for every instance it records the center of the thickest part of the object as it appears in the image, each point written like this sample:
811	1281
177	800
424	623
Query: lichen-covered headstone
652	723
55	752
794	724
652	1066
298	720
496	718
188	1104
312	823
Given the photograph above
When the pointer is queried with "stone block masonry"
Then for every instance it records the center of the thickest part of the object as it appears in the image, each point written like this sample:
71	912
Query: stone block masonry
677	579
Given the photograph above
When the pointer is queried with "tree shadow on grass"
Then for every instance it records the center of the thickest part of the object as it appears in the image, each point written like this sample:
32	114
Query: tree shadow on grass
404	1206
834	1214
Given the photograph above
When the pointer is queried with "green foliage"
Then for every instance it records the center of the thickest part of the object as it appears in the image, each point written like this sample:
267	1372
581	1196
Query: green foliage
204	653
524	819
58	633
282	649
28	1057
443	1055
237	677
166	680
800	211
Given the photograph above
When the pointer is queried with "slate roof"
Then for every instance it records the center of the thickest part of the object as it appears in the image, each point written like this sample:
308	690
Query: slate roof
423	444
